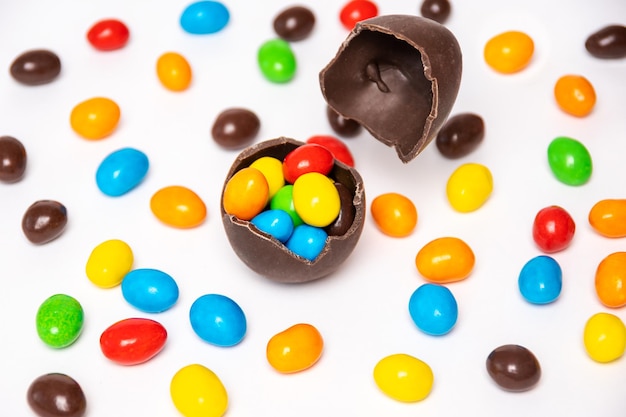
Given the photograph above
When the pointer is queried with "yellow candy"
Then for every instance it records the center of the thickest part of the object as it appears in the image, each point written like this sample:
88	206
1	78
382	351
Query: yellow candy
316	199
109	262
95	118
198	392
178	206
272	168
469	187
404	377
174	71
295	349
605	337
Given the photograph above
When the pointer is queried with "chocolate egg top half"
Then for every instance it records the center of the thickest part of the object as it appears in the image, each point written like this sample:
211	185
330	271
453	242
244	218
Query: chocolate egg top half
398	76
266	255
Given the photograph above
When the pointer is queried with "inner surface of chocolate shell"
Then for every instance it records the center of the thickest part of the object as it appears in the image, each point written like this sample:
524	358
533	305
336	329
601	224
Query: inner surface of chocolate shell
398	76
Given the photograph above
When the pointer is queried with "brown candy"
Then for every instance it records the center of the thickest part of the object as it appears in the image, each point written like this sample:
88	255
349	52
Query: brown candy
513	368
270	258
294	23
344	220
608	42
12	159
398	76
437	10
342	126
460	135
56	395
44	221
235	128
36	67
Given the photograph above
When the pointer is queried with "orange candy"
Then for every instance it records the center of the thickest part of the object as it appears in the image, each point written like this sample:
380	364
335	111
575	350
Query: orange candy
446	259
509	52
608	217
246	193
178	206
95	118
575	95
295	349
611	280
174	71
394	214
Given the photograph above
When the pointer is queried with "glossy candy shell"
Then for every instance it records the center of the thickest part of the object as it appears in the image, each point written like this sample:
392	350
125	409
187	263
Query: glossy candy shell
59	321
295	349
133	341
433	309
150	290
178	206
218	320
109	262
197	391
121	171
604	337
204	17
444	260
404	377
608	217
56	395
108	35
513	368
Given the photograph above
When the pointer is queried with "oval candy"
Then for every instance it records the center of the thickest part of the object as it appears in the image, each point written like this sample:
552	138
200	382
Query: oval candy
197	391
36	67
204	17
12	159
307	241
404	377
337	148
150	290
133	341
109	262
178	206
272	170
460	135
433	309
246	193
217	319
608	42
445	259
283	200
540	280
394	214
59	321
277	61
235	128
174	71
56	394
294	23
604	337
553	229
513	368
121	171
469	187
108	35
316	199
295	349
610	280
95	118
276	223
44	221
509	52
570	161
608	217
307	158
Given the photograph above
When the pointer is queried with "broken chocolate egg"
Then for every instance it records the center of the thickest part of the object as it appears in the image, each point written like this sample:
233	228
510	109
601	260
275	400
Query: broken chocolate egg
267	255
398	76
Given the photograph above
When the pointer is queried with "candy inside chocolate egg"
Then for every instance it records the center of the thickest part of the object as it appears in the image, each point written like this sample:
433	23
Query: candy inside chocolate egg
398	76
269	257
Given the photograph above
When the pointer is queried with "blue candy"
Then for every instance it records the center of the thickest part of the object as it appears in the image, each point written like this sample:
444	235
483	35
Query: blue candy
121	171
218	320
276	223
433	309
149	290
307	241
540	280
204	17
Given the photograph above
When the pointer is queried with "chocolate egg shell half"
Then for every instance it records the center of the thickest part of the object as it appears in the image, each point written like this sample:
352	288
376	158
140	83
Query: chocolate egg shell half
398	76
269	257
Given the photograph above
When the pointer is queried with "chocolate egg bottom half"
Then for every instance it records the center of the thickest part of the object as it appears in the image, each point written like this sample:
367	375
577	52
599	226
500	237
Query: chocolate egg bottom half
398	76
269	257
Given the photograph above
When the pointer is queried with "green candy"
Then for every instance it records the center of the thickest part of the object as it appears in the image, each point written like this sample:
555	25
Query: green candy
569	161
59	321
277	61
283	200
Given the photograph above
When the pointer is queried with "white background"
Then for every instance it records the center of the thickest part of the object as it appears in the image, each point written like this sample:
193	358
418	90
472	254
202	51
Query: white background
361	310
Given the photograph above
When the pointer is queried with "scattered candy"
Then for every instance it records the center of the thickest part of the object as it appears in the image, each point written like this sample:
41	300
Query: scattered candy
460	135
394	214
307	158
108	35
514	368
569	161
109	262
437	10
204	17
469	187
56	395
339	149
553	229
604	337
307	241
121	171
610	280
197	391
608	42
36	67
235	128
276	223
12	159
59	321
575	95
295	349
294	23
218	320
445	259
174	71
404	377
133	341
540	280
277	61
433	309
343	127
509	52
608	217
149	290
246	193
44	221
356	10
283	200
95	118
178	206
272	169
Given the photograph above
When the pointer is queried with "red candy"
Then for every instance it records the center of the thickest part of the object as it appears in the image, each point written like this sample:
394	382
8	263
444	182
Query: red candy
553	229
356	10
108	35
307	158
133	341
339	149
